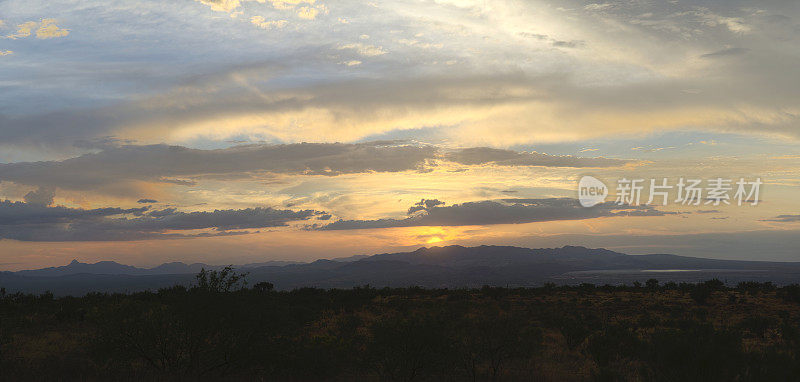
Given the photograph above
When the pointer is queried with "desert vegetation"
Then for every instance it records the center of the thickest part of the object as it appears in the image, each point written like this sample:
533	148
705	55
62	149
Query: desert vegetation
224	329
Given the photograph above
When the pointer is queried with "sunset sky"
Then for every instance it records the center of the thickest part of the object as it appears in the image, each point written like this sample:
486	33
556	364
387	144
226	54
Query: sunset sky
240	131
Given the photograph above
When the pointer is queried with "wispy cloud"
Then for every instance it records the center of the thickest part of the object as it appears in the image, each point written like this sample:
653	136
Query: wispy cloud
262	23
366	50
784	219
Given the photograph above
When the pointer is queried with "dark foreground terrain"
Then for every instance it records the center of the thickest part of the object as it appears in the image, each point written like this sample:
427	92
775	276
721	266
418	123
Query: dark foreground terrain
222	330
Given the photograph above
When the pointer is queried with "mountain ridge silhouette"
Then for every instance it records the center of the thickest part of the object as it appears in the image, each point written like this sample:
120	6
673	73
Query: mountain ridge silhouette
449	266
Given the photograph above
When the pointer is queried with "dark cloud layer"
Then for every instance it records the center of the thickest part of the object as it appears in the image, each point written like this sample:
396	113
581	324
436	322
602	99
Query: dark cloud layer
30	222
163	163
506	211
500	157
174	164
19	213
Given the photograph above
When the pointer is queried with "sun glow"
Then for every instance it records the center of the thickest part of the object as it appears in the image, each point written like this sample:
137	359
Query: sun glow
434	239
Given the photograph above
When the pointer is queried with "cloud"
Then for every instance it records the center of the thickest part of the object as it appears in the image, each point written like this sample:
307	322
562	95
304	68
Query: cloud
726	52
418	44
707	211
22	215
221	5
173	164
598	6
501	109
308	13
629	78
147	201
232	5
262	23
288	4
488	212
784	219
554	42
32	222
366	50
42	196
342	111
47	28
258	217
24	30
652	149
569	44
500	157
425	205
733	24
179	165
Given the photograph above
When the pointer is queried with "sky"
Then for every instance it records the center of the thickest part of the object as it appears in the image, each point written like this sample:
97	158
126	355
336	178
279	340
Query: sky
240	131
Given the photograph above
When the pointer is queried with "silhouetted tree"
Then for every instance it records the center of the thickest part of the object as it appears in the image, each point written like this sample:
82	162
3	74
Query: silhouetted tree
263	286
223	280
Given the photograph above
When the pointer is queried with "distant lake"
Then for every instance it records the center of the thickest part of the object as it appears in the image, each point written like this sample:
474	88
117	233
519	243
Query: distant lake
638	271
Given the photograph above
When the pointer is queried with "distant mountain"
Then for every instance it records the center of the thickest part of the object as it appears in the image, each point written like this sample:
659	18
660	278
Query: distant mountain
351	258
457	266
177	268
114	268
272	263
76	267
451	266
573	257
500	256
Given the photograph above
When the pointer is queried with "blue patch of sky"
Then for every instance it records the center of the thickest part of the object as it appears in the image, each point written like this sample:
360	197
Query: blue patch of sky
674	144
